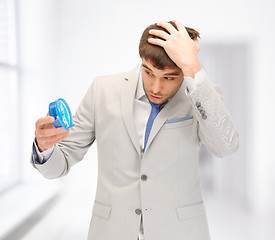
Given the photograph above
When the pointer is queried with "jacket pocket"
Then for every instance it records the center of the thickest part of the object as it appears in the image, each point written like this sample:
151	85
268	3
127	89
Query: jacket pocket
190	211
179	122
101	210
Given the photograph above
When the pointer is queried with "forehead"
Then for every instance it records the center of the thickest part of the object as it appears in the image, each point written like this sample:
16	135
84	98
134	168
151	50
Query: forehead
148	65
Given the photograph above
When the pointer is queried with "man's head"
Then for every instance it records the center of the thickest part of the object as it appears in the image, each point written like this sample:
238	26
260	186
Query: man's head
156	54
161	76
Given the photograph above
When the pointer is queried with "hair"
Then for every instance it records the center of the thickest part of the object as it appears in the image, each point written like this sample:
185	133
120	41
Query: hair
156	54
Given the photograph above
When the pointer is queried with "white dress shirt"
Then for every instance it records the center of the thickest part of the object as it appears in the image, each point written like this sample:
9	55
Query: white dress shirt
142	109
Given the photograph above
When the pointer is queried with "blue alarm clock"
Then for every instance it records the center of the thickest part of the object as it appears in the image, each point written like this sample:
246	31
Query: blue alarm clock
60	110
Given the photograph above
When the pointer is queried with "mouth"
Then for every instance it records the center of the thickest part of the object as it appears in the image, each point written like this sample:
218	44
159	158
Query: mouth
155	97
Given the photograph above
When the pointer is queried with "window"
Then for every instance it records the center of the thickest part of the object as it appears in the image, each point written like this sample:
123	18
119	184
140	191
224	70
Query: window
9	135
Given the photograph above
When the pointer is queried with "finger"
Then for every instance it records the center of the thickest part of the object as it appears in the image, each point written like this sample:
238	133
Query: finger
48	126
156	41
54	139
51	132
168	26
44	120
50	144
180	27
47	132
159	33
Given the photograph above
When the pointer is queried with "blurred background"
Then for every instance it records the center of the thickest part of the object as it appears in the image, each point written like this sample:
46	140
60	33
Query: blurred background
55	48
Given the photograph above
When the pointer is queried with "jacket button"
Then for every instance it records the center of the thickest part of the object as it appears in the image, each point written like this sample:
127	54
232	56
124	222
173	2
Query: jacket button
138	211
202	112
143	177
198	104
204	117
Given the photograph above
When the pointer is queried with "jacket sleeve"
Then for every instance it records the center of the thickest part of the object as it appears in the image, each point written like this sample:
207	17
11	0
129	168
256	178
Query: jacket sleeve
215	129
72	149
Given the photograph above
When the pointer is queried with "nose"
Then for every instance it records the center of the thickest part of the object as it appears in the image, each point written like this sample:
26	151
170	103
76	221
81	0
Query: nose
156	86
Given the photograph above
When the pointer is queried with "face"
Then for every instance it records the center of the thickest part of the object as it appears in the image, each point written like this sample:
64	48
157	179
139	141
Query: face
160	85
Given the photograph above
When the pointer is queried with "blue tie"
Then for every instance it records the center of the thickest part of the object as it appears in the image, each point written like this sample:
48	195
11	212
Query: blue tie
154	112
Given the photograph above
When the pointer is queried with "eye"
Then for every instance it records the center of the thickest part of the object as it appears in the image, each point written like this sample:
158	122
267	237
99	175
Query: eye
168	78
148	73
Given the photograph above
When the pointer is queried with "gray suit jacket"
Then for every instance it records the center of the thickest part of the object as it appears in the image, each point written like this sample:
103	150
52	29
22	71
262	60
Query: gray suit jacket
162	183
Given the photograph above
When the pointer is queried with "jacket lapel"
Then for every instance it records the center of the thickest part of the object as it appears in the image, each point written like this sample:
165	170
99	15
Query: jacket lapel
128	90
174	104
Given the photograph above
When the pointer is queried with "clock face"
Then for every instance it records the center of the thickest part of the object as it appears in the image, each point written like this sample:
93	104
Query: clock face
62	114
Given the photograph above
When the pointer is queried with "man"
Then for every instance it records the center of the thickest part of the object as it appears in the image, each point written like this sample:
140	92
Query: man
149	124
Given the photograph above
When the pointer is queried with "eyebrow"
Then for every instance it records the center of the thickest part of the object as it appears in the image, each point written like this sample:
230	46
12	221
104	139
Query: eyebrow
175	73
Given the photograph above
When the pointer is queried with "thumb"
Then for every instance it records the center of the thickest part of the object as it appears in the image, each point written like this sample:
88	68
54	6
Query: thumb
51	117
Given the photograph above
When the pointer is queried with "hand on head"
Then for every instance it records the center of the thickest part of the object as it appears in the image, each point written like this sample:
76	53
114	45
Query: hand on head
178	45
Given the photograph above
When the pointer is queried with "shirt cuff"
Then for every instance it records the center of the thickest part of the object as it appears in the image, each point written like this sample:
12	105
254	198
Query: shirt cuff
42	157
191	83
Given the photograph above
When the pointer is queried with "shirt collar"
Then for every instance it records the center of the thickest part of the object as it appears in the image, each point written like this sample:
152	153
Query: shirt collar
140	91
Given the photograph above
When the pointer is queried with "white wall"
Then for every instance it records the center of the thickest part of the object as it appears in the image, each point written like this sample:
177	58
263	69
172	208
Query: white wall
37	60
